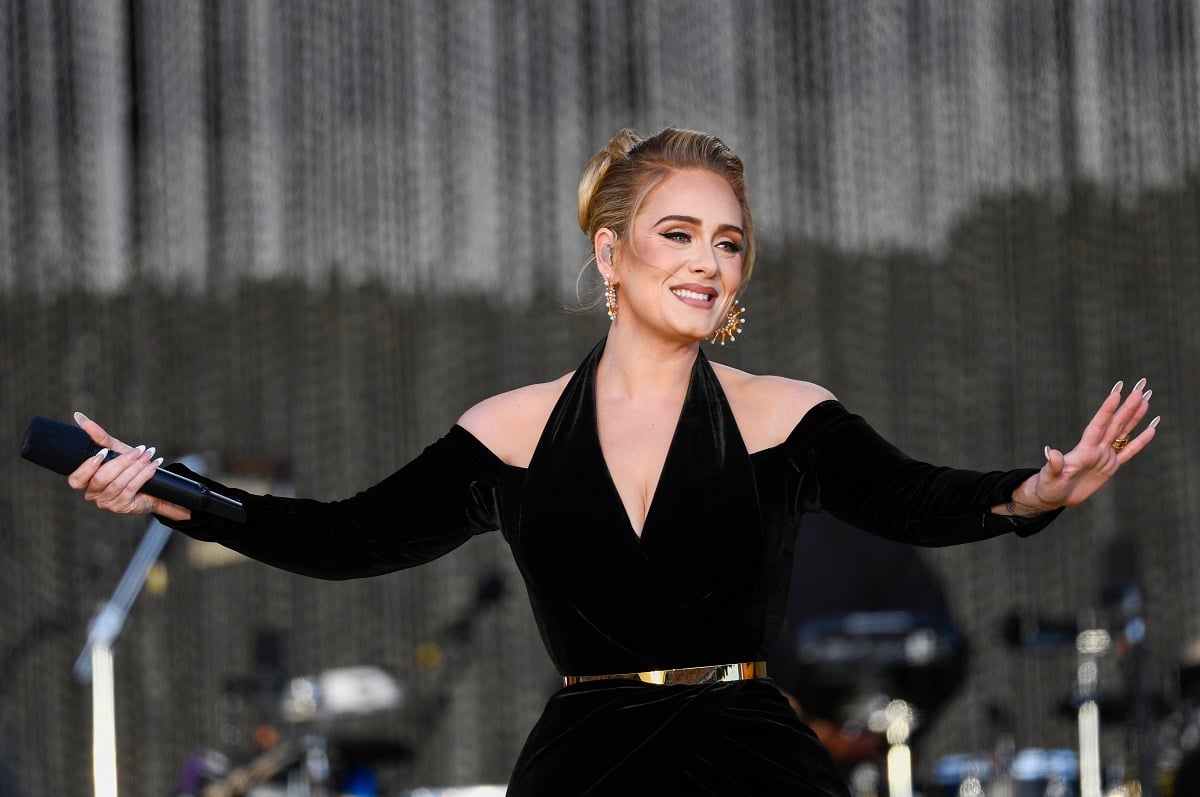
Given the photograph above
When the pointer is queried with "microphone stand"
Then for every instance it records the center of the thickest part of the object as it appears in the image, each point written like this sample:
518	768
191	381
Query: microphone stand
95	662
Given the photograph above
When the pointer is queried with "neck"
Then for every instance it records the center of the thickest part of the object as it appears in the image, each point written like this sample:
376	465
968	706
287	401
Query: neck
636	365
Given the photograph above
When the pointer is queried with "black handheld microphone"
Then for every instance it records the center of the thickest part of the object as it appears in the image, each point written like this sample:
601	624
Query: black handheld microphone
62	447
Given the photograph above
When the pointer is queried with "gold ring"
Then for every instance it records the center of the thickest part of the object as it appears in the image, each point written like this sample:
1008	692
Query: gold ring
1120	443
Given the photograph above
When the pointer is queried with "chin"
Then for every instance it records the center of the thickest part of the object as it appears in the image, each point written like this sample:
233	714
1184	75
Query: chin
691	327
696	334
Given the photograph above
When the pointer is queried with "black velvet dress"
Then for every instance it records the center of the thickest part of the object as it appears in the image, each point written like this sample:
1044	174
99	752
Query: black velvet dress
705	583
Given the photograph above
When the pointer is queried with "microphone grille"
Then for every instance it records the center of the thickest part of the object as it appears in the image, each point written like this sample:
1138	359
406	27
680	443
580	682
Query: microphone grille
59	446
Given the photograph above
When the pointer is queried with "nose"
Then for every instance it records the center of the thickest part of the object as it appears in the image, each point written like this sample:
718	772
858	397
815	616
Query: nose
705	263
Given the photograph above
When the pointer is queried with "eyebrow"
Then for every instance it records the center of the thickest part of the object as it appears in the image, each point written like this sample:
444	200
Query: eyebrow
695	221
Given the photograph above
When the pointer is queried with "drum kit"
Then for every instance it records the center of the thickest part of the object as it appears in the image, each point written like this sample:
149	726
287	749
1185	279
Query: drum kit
887	673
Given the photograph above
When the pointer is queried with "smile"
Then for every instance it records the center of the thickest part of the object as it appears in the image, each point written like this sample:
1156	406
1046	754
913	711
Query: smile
684	293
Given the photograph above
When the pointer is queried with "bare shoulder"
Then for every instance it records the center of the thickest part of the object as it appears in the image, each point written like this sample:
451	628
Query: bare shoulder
766	407
511	423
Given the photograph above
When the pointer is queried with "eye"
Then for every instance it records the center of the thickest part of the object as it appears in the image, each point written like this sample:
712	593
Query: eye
678	236
732	247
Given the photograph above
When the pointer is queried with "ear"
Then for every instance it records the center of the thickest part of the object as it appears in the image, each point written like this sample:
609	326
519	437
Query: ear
603	246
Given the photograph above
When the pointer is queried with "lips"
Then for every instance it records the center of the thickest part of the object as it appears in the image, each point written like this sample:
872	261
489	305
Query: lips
698	295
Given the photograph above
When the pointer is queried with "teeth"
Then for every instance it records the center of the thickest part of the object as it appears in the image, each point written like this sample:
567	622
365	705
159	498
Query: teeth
704	297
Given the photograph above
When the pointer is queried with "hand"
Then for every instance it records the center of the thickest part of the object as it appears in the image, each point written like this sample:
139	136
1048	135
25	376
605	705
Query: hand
1107	444
114	485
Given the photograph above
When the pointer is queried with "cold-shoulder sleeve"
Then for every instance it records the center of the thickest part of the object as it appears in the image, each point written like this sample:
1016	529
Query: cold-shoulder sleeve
845	467
427	508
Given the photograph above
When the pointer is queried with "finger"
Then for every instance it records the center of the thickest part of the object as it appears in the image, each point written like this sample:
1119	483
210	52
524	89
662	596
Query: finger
1097	430
131	496
99	436
1130	412
110	469
1138	407
1138	443
123	498
116	475
79	478
1055	461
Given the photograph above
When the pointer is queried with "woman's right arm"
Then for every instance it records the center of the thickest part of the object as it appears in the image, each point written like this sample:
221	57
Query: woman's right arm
432	505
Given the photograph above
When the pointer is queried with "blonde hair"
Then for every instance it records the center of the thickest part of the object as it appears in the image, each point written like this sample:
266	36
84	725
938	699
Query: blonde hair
618	178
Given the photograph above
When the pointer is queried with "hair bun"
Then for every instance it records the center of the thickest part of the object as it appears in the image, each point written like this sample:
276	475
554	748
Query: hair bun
618	148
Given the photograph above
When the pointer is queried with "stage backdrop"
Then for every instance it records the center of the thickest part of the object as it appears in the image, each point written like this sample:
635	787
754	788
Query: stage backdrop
298	239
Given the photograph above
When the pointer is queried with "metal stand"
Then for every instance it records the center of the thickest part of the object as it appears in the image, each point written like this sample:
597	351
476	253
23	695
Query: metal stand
95	662
104	722
1091	644
900	721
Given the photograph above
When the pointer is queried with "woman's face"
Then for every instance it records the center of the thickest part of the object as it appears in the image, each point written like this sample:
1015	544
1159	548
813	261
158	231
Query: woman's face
684	267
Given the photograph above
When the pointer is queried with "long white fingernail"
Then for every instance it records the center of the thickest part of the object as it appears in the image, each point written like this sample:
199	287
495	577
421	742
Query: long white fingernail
80	418
1154	422
150	451
1117	387
1146	396
1141	384
1046	451
141	449
102	453
158	462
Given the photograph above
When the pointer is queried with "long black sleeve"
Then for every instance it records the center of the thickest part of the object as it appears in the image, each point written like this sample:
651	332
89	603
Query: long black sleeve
851	471
426	509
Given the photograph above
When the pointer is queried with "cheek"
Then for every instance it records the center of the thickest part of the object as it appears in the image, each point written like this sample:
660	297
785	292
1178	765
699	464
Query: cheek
733	272
664	260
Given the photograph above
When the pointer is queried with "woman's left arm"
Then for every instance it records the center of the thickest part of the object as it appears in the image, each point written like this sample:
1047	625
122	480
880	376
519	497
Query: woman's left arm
844	466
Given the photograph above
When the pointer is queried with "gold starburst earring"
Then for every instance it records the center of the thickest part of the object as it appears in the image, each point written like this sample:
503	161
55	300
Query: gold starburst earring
732	327
610	297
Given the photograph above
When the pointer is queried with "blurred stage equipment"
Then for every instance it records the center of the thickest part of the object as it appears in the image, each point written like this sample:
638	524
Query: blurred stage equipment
307	755
1032	772
1179	765
95	662
869	653
1090	645
881	672
312	766
341	692
313	761
1116	630
1091	641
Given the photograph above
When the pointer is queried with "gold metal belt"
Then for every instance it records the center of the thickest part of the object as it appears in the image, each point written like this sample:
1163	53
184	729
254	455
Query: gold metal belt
687	675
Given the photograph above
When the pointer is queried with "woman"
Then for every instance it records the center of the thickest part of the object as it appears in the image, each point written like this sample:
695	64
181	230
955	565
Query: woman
651	498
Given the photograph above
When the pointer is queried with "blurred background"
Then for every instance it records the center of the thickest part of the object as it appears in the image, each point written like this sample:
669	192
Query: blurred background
298	239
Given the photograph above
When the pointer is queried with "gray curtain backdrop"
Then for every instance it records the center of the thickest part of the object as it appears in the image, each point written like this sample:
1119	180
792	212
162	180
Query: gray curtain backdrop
300	238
